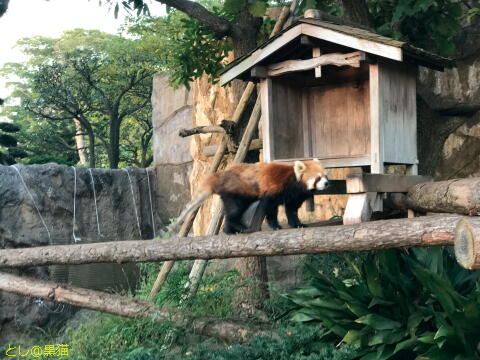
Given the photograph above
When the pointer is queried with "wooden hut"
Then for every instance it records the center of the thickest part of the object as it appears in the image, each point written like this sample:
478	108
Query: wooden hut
335	92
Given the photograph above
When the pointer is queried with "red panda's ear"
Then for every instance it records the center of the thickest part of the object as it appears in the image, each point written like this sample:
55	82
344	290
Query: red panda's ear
299	169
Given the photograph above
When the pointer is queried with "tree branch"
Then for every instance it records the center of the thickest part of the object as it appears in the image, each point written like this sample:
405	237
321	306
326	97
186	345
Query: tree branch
220	26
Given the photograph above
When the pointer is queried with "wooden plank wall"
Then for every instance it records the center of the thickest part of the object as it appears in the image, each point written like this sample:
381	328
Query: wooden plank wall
340	119
398	112
288	121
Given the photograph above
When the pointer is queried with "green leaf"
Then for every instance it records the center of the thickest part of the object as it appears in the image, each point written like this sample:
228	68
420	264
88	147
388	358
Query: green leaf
378	322
386	337
444	331
404	345
301	317
115	12
258	8
353	337
233	6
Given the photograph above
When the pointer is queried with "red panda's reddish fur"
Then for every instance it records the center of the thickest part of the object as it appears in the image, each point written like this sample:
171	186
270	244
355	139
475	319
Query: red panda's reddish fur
242	184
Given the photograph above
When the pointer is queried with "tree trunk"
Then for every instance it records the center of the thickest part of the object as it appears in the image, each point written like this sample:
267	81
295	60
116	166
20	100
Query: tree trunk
420	231
91	141
114	149
229	331
357	12
80	142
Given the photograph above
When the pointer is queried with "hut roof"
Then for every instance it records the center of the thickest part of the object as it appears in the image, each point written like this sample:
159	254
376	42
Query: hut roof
287	43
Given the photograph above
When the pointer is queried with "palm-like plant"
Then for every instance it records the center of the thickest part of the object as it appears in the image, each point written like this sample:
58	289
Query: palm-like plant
415	304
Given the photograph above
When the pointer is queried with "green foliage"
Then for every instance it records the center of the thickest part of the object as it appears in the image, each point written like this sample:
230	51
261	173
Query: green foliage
9	152
102	80
292	343
186	47
429	24
111	337
403	305
9	127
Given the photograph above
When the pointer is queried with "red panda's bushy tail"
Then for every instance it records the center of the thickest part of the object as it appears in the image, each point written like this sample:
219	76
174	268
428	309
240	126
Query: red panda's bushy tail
192	206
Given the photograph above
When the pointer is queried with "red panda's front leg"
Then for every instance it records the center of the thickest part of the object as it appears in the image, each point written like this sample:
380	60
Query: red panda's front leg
291	210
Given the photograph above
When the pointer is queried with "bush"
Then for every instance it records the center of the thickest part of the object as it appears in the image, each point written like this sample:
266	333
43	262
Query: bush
402	305
294	343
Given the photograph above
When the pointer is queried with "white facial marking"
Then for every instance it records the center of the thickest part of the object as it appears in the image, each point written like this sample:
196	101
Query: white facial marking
322	184
311	183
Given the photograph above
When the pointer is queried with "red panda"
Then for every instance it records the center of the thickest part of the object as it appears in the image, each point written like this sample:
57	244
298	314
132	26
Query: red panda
273	183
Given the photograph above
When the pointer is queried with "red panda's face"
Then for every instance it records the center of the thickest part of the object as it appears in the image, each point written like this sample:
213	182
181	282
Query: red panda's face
312	174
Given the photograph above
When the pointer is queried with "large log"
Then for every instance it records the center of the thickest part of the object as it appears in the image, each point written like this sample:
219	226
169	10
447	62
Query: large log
460	196
230	331
467	243
420	231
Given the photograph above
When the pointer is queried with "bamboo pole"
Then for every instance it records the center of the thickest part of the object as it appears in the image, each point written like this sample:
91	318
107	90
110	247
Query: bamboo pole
285	14
199	266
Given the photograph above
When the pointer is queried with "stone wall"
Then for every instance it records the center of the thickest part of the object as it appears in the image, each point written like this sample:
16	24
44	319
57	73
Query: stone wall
172	110
37	208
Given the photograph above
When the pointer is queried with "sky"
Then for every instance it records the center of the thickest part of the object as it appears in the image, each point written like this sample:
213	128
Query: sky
26	18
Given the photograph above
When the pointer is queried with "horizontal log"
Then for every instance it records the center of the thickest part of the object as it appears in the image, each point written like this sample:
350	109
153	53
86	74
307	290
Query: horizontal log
230	331
201	130
467	243
362	183
90	299
256	144
351	59
460	196
421	231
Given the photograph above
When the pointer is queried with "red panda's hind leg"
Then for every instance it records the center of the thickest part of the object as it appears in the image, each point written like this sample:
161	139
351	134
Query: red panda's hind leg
234	207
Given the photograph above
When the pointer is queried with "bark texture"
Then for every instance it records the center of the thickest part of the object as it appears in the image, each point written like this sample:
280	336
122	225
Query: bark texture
356	11
460	196
422	231
230	331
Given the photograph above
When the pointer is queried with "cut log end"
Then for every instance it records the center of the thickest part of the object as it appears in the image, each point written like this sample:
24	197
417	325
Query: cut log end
467	245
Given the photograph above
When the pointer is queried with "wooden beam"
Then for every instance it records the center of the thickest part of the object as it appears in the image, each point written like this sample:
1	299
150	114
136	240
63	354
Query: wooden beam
360	207
259	54
369	46
362	183
259	72
315	54
420	231
335	187
336	59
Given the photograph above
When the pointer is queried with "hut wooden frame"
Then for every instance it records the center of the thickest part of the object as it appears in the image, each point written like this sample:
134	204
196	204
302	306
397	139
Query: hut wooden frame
359	112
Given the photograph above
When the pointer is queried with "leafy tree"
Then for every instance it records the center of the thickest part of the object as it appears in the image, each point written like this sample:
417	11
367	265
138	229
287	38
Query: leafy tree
43	141
98	79
9	150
